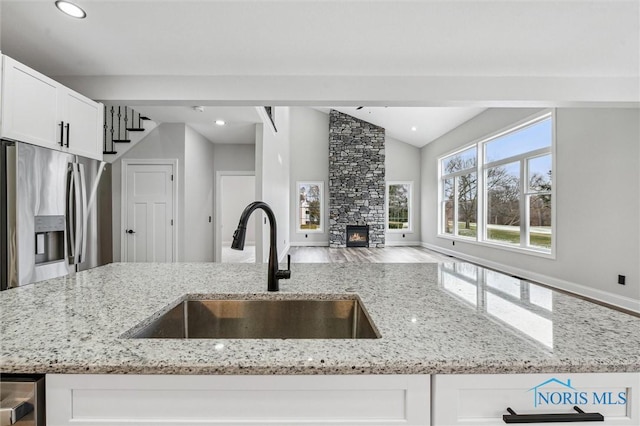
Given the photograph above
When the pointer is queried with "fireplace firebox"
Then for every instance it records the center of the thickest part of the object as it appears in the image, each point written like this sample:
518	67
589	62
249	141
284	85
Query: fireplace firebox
357	235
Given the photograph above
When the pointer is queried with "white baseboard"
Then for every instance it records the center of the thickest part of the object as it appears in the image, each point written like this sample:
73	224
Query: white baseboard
402	243
309	244
284	253
579	289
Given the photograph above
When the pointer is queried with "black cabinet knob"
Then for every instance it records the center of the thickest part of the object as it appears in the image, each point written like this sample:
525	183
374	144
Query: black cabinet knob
130	231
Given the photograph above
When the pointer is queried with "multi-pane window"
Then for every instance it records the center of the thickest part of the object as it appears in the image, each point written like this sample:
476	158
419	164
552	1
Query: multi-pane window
459	202
399	206
511	204
310	206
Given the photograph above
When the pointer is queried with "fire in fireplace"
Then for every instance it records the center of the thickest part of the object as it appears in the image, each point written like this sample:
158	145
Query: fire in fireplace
357	235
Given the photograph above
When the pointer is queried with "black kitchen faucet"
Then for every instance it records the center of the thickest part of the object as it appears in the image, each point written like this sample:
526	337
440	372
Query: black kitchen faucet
275	274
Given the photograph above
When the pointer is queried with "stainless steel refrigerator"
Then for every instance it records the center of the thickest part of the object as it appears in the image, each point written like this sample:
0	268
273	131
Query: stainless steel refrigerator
55	215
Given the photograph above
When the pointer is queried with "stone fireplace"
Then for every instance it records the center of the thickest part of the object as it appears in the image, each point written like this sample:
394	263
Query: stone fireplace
356	178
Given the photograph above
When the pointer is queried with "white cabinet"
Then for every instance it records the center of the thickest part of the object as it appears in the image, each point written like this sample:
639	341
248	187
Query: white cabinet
84	400
482	399
29	106
41	111
83	121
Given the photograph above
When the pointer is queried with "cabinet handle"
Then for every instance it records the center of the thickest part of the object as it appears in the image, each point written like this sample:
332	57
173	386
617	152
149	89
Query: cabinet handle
61	133
68	128
579	416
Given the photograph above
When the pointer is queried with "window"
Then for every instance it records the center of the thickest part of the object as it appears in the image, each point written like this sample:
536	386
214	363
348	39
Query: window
460	193
399	206
511	204
310	206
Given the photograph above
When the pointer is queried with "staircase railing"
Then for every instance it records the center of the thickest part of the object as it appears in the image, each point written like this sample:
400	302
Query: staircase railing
117	128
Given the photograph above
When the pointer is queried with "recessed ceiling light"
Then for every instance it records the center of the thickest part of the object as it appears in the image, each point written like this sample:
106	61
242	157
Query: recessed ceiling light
220	122
414	128
71	9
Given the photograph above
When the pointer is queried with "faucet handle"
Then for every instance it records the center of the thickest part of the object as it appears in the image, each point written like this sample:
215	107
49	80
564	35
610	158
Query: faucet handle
286	274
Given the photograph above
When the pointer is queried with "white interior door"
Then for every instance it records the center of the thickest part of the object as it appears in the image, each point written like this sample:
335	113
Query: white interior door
235	191
148	228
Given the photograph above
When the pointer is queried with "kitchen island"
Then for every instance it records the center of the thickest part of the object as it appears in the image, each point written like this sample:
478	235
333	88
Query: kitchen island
434	319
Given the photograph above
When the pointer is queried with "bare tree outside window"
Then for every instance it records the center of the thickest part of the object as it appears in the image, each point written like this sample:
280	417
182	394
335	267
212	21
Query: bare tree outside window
310	206
399	206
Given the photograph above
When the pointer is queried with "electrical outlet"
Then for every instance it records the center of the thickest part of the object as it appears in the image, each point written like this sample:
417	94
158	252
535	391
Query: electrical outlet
622	279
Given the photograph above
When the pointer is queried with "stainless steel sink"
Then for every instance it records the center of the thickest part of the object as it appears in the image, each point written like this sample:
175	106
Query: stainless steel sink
262	319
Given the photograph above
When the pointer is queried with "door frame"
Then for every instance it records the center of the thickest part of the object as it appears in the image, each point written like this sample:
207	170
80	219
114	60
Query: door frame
217	252
173	162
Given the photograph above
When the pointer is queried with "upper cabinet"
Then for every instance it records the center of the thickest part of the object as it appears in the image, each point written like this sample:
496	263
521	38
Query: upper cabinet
41	111
83	123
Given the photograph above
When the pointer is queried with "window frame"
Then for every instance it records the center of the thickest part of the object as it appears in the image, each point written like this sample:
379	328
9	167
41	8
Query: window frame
525	191
441	202
321	227
408	230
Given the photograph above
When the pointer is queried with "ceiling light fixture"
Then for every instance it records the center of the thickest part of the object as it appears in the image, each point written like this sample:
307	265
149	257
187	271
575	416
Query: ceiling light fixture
198	108
414	128
71	9
220	122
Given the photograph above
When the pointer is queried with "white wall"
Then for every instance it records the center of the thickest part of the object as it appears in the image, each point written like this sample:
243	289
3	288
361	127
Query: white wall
276	179
198	209
597	207
234	157
167	141
237	192
309	162
403	163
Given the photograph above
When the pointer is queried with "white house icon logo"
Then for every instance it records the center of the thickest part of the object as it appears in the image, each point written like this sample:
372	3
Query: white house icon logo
568	395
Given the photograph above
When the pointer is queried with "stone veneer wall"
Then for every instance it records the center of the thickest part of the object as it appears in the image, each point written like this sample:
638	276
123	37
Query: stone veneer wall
356	178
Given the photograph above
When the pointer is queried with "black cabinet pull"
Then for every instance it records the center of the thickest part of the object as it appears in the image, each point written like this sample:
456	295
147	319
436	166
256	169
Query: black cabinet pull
61	133
130	231
579	416
68	131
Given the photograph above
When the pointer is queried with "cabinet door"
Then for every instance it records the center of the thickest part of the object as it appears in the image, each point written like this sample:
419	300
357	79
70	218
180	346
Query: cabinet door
482	399
83	124
99	400
29	106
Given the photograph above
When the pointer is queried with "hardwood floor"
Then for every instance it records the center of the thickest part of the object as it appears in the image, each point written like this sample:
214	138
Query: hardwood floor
366	255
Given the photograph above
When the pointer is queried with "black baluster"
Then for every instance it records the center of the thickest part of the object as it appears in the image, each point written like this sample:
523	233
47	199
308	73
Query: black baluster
126	120
119	122
120	131
113	148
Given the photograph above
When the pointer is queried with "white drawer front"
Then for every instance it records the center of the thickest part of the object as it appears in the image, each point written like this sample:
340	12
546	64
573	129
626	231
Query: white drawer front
238	400
483	399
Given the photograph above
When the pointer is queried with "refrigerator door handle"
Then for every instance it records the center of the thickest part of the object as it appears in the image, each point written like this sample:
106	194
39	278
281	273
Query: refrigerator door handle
84	213
75	214
71	237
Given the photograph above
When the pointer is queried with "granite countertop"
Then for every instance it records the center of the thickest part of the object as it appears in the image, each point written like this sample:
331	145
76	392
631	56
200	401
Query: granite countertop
433	318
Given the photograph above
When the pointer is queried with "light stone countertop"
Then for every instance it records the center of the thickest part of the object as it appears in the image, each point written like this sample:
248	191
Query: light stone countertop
433	318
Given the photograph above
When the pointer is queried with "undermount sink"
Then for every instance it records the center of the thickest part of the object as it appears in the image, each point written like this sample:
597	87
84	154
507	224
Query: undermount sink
262	319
